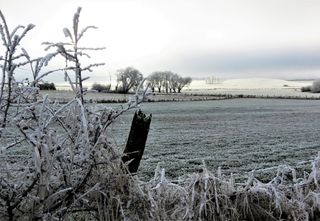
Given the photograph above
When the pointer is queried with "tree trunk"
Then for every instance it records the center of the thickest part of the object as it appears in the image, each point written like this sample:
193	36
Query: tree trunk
136	141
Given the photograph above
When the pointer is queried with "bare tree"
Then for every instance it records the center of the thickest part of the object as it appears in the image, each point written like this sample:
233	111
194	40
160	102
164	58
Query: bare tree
182	82
166	80
128	78
156	80
173	82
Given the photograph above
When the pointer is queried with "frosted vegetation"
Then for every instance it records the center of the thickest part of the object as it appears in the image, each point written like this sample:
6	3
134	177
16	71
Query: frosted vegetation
57	162
315	88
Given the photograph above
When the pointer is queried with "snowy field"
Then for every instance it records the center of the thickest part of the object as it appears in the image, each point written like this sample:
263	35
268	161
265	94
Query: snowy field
254	87
239	135
248	83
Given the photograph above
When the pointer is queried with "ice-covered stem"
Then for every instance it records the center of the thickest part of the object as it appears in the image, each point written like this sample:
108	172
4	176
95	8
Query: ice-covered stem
78	52
10	42
75	48
72	52
5	36
36	66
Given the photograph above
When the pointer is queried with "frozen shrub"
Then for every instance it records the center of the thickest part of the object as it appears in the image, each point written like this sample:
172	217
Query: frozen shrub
10	60
306	88
14	56
101	87
67	167
56	160
47	86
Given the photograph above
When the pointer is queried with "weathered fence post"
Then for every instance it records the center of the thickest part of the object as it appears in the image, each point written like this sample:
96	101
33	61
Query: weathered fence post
136	140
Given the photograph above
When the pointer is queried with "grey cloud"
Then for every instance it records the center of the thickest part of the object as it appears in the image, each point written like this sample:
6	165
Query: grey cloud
246	62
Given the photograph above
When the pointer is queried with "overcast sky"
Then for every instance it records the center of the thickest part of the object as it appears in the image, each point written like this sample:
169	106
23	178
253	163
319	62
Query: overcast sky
198	38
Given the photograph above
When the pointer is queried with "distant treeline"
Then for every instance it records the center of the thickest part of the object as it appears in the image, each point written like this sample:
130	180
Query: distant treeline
314	88
129	79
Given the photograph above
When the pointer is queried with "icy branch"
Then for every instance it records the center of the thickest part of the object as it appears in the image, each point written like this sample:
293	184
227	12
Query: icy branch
92	49
5	31
67	33
16	29
88	68
50	45
45	60
85	30
76	22
25	31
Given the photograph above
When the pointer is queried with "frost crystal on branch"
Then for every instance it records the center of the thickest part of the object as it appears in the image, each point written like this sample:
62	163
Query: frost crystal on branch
72	53
8	89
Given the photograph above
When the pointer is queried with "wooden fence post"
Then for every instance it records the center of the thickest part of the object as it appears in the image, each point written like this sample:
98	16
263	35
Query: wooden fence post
137	140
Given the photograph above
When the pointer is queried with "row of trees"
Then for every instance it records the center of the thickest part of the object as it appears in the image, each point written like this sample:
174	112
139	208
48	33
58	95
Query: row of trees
130	78
167	81
160	81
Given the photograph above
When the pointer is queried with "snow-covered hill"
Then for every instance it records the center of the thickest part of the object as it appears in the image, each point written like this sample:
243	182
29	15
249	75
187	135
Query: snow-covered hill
248	83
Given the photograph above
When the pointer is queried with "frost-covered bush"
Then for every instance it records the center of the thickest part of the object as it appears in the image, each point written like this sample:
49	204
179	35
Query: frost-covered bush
56	160
66	165
101	87
11	59
306	88
47	86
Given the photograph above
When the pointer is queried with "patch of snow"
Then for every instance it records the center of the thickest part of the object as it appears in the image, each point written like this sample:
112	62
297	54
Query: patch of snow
248	83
